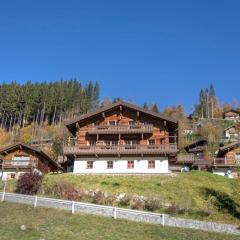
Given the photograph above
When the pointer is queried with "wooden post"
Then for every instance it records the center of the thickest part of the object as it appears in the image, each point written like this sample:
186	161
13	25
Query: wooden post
163	219
73	207
4	190
35	202
115	213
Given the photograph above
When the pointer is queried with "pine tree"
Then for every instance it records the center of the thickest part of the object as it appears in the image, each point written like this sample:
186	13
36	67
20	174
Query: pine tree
145	106
155	108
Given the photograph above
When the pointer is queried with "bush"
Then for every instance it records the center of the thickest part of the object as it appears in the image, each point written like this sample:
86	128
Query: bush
125	201
137	203
102	198
29	183
67	191
152	204
172	209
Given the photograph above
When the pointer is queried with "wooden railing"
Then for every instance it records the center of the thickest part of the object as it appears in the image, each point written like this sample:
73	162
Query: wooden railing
225	162
19	164
120	129
185	158
120	149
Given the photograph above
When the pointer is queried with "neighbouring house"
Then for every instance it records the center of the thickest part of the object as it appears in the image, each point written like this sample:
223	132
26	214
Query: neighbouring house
121	138
232	114
197	148
195	156
231	133
227	160
19	158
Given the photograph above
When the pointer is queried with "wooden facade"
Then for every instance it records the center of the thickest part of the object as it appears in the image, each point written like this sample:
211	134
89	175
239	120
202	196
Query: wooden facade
20	158
121	126
121	131
228	155
232	115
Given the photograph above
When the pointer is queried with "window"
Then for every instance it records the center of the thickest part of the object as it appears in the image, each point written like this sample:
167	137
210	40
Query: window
130	164
112	123
111	142
132	123
151	141
237	157
20	160
151	164
132	142
109	164
92	142
89	164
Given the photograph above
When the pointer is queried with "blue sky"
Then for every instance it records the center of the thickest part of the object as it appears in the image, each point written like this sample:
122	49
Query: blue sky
154	51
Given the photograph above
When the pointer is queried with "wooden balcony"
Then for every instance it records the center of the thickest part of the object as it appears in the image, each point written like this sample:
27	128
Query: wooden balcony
121	129
185	158
19	164
121	149
225	162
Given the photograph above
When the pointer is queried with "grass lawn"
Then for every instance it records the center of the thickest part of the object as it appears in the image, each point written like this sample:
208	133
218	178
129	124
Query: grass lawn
51	224
205	195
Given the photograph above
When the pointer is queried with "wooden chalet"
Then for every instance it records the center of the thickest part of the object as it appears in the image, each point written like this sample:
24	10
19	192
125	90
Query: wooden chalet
232	114
228	159
121	138
195	157
19	158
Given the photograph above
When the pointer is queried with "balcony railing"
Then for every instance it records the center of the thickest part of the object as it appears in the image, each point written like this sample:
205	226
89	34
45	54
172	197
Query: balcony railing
121	149
225	162
185	158
19	164
124	129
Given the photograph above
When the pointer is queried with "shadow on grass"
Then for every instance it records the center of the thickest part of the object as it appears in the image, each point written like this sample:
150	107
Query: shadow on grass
223	201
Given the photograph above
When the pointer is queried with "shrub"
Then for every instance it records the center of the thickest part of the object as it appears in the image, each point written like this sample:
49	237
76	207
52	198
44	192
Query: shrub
98	197
152	204
29	183
67	191
172	209
137	203
125	201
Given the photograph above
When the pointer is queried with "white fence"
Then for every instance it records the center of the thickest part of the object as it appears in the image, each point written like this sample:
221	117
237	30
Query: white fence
115	212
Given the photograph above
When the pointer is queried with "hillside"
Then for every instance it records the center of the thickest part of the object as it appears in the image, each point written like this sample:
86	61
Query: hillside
199	195
51	224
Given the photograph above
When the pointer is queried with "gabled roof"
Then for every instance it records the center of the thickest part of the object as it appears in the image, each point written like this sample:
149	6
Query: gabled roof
71	125
230	146
232	126
25	146
196	146
232	110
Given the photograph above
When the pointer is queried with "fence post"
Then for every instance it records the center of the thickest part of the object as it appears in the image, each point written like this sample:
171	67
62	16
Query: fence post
163	219
4	190
114	212
73	205
35	202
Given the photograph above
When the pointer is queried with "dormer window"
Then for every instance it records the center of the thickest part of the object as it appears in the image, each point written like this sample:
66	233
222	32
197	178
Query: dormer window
151	141
112	123
132	123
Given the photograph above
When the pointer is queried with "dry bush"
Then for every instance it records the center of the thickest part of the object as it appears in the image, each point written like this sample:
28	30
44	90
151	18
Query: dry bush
152	204
67	191
29	183
137	203
125	201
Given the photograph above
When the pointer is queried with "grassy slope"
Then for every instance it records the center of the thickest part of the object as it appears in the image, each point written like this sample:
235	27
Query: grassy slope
51	224
199	191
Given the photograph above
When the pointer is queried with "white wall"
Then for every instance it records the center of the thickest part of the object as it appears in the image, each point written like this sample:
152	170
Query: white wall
120	166
6	175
